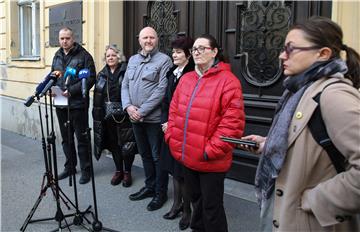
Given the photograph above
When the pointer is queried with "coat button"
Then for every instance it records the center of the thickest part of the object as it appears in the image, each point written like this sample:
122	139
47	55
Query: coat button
279	192
276	224
340	218
299	115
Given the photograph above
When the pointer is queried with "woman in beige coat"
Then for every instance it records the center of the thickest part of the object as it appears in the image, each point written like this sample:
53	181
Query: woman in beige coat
297	186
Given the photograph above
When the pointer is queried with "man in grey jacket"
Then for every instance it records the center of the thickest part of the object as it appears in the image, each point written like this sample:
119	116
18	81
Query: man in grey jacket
142	91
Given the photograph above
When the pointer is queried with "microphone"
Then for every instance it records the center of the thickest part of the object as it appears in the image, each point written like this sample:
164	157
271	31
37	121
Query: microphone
69	72
83	75
39	89
29	101
52	81
42	84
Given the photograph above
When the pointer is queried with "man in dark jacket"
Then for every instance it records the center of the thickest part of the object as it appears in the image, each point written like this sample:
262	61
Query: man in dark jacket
73	55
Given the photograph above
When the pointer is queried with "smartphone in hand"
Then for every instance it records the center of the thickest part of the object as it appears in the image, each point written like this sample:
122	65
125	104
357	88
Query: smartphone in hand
249	143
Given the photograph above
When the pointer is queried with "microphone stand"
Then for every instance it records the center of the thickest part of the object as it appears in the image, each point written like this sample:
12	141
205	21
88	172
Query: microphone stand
51	182
47	130
96	225
78	217
59	216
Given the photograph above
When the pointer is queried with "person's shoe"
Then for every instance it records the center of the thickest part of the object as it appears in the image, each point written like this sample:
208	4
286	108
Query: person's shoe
172	214
157	202
142	194
64	174
127	181
85	177
184	222
117	178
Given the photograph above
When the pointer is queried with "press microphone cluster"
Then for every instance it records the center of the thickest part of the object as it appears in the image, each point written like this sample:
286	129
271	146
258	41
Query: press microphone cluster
43	87
51	79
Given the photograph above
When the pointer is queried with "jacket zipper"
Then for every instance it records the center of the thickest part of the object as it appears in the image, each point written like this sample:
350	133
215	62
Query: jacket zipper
187	117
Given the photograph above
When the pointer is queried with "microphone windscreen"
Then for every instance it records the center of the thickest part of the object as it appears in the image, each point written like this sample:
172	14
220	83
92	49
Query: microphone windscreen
84	73
42	84
70	71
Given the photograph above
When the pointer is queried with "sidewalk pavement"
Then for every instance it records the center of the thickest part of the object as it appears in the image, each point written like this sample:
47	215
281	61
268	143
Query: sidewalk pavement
22	169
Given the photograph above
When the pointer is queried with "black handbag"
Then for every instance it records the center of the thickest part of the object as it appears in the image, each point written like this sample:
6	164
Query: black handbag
113	109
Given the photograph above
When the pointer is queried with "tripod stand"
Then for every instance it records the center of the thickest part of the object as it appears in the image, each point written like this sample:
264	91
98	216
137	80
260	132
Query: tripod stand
51	180
49	177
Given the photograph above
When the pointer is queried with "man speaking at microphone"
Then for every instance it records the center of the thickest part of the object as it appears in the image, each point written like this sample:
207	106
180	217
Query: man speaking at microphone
73	55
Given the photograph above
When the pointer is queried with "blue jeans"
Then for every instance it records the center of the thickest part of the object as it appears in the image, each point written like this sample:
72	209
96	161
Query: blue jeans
148	137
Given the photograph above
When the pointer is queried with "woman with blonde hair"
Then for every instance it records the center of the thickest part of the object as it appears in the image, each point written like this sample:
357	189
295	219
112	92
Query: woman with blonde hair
112	127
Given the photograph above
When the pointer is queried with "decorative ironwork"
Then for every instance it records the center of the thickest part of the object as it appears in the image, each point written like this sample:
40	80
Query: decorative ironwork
162	18
262	28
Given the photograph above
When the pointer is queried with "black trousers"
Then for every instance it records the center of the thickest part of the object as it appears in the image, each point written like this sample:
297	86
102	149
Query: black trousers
78	125
206	192
114	145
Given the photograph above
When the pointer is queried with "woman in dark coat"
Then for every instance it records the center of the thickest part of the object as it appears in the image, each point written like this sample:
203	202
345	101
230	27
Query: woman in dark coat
183	63
113	131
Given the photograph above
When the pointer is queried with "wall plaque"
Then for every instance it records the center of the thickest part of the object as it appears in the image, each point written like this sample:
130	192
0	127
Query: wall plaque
65	15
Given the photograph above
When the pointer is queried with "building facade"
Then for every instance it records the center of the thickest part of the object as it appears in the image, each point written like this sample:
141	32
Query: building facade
250	32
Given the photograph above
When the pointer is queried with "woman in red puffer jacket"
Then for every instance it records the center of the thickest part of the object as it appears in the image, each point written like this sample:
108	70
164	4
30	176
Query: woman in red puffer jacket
207	104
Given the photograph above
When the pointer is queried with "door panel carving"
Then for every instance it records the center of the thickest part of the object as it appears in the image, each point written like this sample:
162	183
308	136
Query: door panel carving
251	33
262	27
163	19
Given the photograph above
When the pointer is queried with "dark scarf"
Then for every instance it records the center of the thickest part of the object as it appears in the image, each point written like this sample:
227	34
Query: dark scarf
276	145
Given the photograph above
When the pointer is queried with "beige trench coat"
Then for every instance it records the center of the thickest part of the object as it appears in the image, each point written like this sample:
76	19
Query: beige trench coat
308	177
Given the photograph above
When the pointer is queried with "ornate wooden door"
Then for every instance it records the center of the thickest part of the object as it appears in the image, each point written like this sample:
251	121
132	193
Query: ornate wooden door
251	33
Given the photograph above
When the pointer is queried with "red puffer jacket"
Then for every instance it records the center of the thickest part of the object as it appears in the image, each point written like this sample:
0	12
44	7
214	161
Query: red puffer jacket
202	110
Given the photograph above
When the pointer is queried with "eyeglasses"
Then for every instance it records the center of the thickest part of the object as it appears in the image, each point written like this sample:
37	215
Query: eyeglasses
200	49
288	49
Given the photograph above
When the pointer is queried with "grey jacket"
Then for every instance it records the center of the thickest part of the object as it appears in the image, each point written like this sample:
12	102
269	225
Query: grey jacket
145	83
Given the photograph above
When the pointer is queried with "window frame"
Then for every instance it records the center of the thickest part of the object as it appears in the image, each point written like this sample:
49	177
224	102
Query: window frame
29	43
